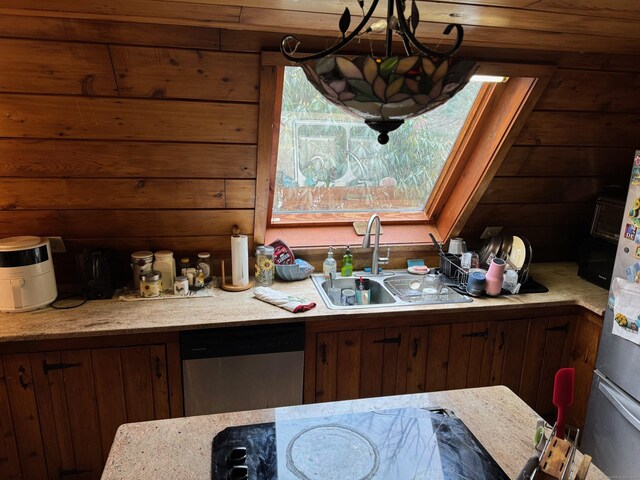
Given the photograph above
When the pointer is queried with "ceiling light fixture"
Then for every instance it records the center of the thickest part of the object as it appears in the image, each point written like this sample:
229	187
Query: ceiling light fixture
385	91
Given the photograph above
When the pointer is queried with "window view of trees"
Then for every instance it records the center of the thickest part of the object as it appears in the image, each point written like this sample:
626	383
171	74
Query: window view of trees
330	161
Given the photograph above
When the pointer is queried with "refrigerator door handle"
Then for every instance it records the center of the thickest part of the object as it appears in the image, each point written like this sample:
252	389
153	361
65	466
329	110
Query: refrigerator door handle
628	410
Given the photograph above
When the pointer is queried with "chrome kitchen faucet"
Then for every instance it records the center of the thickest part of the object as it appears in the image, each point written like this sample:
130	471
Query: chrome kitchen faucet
366	243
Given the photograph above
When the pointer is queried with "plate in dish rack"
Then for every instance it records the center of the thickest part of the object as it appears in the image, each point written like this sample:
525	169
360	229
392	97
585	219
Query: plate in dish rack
518	252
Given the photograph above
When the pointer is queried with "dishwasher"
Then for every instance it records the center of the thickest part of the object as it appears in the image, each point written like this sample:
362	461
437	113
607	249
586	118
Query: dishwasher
242	368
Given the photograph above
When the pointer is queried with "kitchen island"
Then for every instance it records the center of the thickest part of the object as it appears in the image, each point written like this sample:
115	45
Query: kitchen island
181	448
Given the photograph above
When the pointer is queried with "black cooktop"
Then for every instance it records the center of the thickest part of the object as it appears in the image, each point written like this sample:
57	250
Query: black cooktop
399	444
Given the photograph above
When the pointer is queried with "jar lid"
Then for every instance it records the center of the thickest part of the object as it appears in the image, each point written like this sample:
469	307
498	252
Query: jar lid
264	250
184	259
164	254
182	278
204	254
152	276
141	254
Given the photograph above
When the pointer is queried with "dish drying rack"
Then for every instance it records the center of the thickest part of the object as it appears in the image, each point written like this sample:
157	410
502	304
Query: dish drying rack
450	268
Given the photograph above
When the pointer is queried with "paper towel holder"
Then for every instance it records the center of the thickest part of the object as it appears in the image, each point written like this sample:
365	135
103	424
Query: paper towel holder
229	287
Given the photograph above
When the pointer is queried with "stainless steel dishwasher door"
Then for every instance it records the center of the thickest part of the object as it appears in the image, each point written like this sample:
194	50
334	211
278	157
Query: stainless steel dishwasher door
248	368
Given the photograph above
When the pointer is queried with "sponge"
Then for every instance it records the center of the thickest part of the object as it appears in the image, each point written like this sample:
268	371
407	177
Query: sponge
415	262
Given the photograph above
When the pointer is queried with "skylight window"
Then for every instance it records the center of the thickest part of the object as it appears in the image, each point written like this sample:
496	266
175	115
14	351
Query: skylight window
329	163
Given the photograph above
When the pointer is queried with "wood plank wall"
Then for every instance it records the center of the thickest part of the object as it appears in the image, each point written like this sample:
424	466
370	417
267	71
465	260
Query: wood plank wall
579	140
142	136
127	146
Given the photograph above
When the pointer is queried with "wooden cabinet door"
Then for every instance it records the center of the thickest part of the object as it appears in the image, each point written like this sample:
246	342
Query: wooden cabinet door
556	348
445	357
582	357
59	411
470	352
69	417
526	356
326	367
9	458
360	363
22	454
130	386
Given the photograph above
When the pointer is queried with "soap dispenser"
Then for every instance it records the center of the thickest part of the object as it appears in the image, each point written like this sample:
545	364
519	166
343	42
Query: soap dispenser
329	266
347	263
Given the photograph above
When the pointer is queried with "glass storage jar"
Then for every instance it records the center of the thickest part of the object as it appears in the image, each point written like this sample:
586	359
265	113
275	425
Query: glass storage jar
166	265
151	284
204	264
265	268
141	262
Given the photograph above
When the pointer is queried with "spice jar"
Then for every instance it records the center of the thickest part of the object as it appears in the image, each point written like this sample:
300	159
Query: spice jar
265	269
151	284
181	286
184	266
198	280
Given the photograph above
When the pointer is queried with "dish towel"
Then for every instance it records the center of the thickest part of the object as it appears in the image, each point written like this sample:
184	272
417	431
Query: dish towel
283	300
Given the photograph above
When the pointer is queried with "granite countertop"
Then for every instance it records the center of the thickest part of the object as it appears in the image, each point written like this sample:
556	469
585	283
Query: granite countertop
181	448
114	317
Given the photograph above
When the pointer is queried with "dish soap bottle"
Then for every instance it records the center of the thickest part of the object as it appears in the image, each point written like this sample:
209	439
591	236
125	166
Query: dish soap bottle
347	263
329	265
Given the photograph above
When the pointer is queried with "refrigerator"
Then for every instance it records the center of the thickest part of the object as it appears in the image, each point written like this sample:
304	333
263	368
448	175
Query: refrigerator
612	428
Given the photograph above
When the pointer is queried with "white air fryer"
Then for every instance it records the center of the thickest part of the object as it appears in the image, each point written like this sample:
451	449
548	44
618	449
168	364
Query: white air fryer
27	279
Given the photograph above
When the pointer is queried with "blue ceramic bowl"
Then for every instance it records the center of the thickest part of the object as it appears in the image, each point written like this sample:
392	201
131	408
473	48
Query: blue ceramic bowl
296	271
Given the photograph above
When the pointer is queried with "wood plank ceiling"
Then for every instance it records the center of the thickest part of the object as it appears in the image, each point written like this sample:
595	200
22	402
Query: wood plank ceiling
561	25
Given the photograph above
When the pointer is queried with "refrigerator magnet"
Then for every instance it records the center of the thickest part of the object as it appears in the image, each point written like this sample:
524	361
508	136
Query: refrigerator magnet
635	171
634	213
631	273
630	231
626	309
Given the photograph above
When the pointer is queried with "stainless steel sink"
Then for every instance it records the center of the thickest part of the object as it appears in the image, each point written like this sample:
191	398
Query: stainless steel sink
379	295
390	289
409	289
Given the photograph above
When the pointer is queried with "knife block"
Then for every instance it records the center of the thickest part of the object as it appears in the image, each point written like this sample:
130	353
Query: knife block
557	457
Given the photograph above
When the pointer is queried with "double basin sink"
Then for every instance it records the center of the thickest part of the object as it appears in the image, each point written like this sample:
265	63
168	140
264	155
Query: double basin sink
391	289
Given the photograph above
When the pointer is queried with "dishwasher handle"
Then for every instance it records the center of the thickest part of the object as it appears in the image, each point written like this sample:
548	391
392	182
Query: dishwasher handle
235	341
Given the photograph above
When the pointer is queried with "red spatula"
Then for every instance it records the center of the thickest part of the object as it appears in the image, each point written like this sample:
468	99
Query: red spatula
562	396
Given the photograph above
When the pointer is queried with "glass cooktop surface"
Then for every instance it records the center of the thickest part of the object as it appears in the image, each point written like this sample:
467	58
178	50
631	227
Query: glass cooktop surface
394	444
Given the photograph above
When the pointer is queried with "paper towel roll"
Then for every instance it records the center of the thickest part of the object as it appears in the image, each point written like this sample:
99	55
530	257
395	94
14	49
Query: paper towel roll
239	260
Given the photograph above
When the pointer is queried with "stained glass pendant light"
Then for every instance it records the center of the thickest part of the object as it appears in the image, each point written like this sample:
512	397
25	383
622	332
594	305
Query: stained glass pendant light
385	91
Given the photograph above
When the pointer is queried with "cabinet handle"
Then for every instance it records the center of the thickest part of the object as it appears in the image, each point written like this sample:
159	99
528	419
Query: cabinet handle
21	376
389	340
323	350
57	366
158	369
416	343
560	328
484	334
68	473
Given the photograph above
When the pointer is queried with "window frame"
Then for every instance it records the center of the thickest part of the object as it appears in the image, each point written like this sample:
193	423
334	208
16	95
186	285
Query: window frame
477	154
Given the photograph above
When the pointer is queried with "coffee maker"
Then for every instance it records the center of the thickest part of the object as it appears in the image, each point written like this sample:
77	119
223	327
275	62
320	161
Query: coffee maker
98	276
